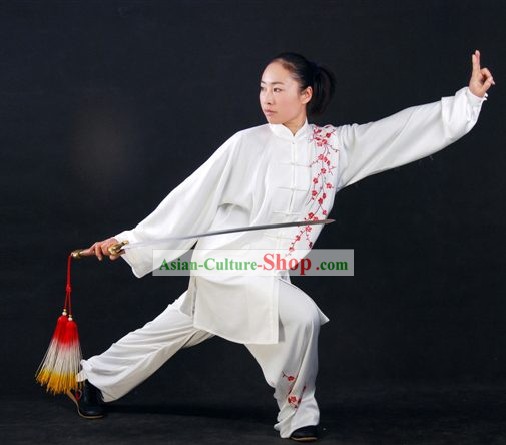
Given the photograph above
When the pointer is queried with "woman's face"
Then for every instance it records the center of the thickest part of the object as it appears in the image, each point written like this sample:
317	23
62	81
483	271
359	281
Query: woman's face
280	98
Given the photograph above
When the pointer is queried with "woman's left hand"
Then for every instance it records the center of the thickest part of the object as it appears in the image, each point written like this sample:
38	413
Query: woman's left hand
481	78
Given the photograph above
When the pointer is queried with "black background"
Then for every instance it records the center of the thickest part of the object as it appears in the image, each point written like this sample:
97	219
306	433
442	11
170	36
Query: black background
106	106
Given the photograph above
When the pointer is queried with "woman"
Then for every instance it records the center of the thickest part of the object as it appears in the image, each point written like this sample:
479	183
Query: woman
285	170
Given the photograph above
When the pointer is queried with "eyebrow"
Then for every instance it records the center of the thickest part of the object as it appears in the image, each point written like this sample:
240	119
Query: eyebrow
272	83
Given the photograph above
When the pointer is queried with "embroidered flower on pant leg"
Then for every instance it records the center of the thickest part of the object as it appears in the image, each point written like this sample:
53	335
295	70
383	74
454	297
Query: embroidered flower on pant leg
292	400
290	378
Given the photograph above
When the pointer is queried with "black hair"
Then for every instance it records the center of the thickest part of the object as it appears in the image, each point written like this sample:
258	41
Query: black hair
309	73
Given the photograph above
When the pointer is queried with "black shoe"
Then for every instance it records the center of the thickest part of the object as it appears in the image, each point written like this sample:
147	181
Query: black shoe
305	434
88	401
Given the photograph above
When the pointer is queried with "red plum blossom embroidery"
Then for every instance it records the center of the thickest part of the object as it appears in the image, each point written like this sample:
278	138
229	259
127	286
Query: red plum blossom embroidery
295	401
290	378
323	167
292	400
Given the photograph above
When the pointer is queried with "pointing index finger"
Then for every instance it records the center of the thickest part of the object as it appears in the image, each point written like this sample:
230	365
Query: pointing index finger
476	62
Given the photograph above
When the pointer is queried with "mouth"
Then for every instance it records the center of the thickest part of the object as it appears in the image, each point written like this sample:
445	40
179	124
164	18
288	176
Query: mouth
269	112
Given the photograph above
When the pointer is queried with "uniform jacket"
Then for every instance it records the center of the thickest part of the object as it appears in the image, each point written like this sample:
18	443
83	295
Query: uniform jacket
266	174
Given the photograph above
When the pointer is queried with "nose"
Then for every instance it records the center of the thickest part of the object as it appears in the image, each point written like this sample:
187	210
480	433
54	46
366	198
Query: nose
268	97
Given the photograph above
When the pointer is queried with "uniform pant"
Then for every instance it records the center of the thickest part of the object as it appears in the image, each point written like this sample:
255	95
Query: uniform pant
289	366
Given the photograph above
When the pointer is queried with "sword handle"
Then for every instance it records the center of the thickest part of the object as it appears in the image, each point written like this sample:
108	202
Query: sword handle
115	249
76	254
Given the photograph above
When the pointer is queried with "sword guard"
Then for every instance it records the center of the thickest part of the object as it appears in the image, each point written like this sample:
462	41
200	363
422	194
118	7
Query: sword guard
115	249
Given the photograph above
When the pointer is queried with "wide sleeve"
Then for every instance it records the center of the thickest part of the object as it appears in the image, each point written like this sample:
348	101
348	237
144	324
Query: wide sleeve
406	136
188	208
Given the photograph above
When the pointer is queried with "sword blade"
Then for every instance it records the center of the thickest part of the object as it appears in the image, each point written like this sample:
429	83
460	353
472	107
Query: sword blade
233	230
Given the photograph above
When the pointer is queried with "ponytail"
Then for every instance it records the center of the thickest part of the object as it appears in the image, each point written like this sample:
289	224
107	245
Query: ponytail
309	73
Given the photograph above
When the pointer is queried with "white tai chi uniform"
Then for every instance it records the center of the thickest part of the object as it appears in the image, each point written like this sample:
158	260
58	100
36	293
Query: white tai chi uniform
261	175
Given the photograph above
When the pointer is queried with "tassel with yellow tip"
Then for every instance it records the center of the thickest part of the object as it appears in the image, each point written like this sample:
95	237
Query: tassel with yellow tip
60	365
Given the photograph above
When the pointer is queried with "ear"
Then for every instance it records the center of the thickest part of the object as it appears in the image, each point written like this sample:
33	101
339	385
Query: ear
306	95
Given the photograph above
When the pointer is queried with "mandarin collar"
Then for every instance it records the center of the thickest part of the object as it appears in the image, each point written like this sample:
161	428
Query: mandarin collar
283	131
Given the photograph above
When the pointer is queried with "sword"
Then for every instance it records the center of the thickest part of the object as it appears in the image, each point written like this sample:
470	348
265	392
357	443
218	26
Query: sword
117	249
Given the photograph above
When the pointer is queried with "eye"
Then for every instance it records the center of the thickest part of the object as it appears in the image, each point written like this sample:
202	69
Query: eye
278	89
